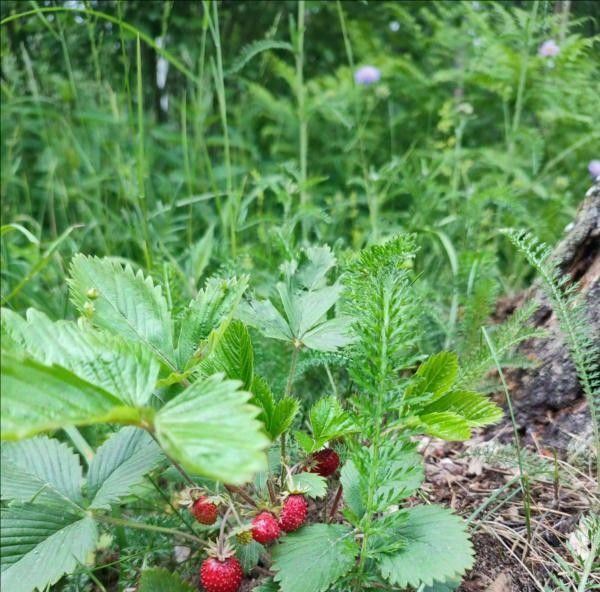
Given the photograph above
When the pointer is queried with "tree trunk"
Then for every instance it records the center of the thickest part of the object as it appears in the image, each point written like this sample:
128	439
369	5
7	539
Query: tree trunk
549	401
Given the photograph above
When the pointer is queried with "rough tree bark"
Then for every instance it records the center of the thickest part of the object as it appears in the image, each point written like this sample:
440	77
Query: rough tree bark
548	398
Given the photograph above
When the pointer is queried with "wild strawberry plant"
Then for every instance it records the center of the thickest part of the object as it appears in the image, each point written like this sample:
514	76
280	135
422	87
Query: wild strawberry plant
319	497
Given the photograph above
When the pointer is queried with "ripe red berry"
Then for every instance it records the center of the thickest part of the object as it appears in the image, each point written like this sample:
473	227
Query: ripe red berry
293	513
326	462
204	510
265	528
221	576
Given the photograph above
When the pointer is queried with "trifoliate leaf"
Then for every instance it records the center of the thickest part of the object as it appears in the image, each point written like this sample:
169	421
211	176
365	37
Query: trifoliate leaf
103	359
42	468
39	544
328	550
37	398
212	430
124	302
437	549
262	315
119	464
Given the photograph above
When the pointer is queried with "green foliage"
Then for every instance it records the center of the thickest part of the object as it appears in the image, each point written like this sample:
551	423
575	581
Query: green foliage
428	533
328	421
572	317
43	469
328	549
39	544
119	464
276	416
184	141
305	299
161	580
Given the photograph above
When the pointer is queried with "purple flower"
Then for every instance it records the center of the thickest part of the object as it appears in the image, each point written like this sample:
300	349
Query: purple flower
367	75
594	168
548	49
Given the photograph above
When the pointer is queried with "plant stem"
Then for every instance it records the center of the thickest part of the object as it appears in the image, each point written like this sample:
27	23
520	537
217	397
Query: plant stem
336	502
168	501
181	470
302	121
523	72
239	491
522	474
149	527
378	421
288	393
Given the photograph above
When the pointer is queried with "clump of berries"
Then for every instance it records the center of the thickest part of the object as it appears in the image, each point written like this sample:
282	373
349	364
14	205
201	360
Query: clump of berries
265	528
325	462
293	513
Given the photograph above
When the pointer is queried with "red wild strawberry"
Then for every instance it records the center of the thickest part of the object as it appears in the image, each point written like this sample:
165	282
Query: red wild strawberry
293	513
221	576
326	462
204	510
265	528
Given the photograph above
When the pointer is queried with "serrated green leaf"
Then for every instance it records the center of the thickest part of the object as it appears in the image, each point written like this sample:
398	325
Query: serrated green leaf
435	376
445	425
330	335
42	468
231	354
312	484
399	475
311	307
276	417
37	398
267	586
350	481
329	550
212	430
319	261
213	307
328	421
100	358
437	549
124	302
119	464
160	580
262	315
39	544
249	554
475	408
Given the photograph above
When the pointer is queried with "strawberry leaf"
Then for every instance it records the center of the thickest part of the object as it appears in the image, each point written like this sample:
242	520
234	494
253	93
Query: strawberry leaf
329	550
119	464
42	468
38	545
213	431
437	549
117	299
161	580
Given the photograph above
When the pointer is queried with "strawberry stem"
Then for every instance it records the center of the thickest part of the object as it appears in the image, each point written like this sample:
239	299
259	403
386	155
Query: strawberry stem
151	527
